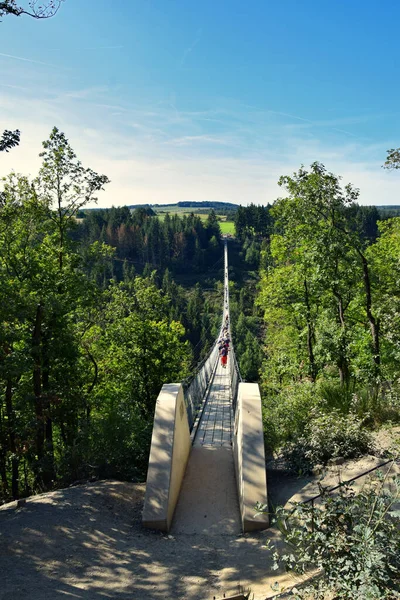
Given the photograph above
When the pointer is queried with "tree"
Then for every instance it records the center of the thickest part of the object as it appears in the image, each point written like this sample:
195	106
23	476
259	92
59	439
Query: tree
393	159
142	349
319	209
290	302
38	10
212	226
65	183
384	258
9	139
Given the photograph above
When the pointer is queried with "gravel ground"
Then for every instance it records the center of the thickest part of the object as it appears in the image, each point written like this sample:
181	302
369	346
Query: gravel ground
87	543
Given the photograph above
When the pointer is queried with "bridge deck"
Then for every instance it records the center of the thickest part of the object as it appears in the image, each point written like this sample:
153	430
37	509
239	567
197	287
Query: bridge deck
215	427
208	502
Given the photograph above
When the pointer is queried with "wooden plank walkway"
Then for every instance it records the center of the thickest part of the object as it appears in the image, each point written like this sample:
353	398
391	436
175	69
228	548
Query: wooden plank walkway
215	427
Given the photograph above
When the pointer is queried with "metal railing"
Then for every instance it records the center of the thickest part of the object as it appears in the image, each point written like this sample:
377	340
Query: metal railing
234	367
195	386
236	378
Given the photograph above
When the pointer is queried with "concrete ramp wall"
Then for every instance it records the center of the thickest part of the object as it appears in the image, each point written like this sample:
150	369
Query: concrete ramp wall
169	453
249	454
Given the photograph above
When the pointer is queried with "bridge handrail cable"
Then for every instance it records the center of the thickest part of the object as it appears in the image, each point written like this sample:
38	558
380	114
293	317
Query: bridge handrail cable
196	384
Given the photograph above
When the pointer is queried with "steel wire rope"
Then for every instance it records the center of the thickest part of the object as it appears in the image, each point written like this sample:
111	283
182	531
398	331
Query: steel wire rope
197	361
194	389
143	262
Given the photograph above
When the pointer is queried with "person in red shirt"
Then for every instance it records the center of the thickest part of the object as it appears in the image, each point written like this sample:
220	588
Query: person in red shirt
224	356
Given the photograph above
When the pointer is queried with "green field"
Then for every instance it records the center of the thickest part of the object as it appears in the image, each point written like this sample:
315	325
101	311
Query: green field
228	227
181	213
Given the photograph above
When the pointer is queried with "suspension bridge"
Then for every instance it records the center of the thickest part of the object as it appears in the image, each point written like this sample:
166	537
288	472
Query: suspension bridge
207	464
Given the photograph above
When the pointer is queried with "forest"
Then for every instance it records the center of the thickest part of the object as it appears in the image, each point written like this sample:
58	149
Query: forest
100	308
329	301
93	323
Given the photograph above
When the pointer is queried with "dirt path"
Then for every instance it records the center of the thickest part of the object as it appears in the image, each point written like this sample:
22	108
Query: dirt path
87	543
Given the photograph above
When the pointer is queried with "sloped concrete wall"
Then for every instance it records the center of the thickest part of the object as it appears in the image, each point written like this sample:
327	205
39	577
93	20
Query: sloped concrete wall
248	449
169	453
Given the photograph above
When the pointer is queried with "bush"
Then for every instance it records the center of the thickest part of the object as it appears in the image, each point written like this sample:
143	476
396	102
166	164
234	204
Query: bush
327	436
381	403
353	539
286	414
336	396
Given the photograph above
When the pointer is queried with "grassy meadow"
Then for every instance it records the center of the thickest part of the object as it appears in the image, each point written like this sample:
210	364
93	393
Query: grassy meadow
227	227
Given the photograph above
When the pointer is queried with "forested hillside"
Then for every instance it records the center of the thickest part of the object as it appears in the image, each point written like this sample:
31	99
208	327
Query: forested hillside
329	300
179	244
92	324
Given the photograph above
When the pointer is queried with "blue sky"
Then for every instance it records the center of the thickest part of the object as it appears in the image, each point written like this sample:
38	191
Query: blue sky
208	100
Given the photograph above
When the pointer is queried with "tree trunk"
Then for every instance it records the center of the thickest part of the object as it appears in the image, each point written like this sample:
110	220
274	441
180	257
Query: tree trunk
3	453
310	334
343	365
92	386
48	468
11	436
373	323
37	382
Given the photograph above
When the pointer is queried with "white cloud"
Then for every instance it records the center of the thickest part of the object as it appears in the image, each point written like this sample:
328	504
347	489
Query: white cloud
158	154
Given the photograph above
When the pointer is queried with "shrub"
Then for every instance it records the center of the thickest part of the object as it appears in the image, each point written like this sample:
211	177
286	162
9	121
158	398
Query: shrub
353	539
286	414
336	396
327	436
381	402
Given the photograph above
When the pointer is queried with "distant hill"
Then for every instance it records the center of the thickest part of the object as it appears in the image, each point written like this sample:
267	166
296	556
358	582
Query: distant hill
388	210
197	205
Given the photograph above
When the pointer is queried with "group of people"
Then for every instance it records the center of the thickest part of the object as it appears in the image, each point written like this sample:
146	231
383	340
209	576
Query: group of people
223	343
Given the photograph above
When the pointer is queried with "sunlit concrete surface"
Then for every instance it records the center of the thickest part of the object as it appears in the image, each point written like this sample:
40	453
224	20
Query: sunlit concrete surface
249	456
170	449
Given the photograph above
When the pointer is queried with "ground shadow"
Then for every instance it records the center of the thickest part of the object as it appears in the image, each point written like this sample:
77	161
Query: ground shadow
88	543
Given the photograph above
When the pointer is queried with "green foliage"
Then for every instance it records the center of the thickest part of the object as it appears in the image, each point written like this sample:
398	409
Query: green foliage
83	358
9	140
247	346
327	436
353	539
393	159
374	405
287	412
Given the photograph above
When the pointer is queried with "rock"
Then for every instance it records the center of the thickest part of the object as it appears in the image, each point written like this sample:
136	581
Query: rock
21	502
318	469
338	460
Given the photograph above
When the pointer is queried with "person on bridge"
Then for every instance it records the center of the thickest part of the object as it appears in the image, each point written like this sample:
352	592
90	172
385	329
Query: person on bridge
224	356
